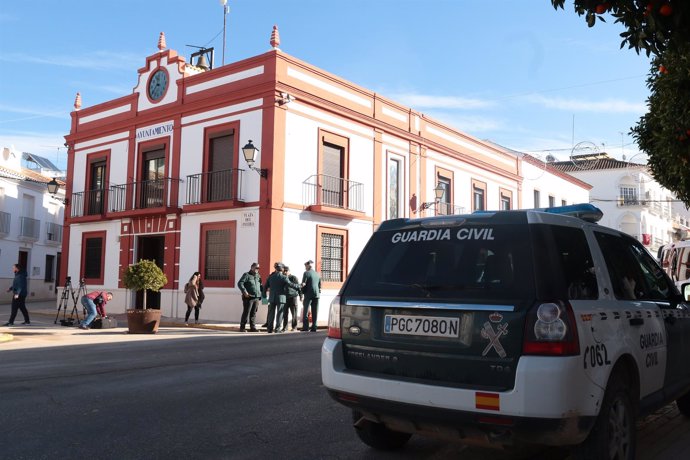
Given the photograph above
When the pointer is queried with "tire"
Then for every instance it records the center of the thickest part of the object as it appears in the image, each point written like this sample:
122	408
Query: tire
683	404
613	436
376	435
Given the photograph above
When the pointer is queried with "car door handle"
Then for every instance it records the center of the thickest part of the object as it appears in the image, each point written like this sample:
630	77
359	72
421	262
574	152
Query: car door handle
636	321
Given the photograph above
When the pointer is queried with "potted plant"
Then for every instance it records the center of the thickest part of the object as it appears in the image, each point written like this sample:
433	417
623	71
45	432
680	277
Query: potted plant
142	276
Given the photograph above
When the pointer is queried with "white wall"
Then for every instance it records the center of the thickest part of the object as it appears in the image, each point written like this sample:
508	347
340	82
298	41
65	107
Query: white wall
547	183
20	199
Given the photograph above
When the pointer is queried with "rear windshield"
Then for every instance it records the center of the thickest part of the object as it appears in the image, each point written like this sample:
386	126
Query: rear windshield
473	262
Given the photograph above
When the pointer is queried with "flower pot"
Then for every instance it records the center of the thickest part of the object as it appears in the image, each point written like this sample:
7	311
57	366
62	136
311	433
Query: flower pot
141	321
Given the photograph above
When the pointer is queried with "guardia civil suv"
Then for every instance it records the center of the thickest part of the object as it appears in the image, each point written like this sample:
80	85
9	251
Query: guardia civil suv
506	329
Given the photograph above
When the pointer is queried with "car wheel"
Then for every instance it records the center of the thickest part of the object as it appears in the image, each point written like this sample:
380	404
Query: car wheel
613	436
376	435
683	404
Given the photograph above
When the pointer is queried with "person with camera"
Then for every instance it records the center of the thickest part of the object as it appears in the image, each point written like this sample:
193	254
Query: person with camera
18	295
89	301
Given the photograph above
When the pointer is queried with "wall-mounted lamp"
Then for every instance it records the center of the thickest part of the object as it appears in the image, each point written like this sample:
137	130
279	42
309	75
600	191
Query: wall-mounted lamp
285	98
53	188
249	152
438	193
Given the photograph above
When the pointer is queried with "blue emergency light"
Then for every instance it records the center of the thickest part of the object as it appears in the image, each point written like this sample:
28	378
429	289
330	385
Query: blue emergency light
585	211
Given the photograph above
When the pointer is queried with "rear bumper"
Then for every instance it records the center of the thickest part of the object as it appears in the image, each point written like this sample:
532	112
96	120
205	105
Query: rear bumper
548	404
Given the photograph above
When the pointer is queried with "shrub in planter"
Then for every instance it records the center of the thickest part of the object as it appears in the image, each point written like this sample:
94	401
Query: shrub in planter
142	276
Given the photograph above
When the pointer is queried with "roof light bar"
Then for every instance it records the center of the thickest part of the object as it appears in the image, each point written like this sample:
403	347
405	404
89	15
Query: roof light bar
585	211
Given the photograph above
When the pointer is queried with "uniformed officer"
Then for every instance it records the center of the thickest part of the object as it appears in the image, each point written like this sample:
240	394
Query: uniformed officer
311	288
276	286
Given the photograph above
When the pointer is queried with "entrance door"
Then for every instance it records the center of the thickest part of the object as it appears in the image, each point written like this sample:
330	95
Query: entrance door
151	248
23	261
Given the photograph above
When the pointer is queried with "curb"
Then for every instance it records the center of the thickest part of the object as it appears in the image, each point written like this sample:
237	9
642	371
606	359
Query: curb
6	337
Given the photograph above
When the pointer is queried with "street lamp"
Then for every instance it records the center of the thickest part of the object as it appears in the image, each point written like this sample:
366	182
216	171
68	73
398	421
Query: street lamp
438	193
53	188
249	152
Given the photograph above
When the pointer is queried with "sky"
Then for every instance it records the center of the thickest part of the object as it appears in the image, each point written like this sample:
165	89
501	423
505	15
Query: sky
515	72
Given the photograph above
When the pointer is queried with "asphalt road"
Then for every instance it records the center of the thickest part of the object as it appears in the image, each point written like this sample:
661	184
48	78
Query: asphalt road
225	396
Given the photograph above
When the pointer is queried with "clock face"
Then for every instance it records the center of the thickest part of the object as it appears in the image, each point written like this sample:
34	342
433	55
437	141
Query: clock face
158	84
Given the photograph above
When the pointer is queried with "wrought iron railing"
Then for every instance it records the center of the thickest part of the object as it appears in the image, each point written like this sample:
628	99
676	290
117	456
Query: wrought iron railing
29	228
88	203
214	186
53	232
446	209
5	221
334	192
145	194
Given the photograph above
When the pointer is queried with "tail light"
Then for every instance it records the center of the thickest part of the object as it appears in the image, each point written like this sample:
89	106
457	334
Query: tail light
550	330
334	319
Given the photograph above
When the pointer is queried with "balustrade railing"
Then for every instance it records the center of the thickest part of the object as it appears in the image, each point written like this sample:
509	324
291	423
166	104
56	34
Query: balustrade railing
29	228
334	192
214	186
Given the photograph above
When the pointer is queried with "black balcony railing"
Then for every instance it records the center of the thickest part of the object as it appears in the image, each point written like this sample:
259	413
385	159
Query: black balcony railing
214	186
334	192
446	209
145	194
29	228
88	202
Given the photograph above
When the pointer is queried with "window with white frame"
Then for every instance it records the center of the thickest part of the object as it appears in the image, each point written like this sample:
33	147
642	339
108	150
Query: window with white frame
628	194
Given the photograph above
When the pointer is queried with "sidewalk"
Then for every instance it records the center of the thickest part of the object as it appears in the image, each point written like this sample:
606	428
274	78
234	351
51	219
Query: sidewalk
44	315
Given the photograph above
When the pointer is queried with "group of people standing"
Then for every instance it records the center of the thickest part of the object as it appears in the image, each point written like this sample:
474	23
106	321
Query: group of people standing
282	290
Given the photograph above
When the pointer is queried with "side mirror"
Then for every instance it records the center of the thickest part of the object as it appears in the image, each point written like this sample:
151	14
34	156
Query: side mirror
685	291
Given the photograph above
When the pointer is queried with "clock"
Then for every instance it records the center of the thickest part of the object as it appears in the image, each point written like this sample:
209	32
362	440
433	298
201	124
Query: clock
158	84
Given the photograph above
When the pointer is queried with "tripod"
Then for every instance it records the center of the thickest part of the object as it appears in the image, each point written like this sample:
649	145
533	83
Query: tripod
67	293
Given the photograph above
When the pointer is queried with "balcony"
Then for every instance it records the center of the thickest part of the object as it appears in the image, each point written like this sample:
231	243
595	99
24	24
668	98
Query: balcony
213	187
5	221
53	232
333	195
29	228
147	194
630	201
447	209
88	203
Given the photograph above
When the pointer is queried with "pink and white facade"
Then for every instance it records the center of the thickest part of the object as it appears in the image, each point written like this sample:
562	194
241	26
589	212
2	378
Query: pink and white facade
164	178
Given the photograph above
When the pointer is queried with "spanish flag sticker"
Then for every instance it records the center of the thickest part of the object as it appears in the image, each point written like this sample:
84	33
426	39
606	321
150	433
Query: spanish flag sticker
487	401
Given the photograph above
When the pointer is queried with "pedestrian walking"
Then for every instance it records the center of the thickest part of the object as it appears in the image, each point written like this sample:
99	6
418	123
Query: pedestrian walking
291	296
251	289
89	302
311	289
276	287
200	288
19	291
191	298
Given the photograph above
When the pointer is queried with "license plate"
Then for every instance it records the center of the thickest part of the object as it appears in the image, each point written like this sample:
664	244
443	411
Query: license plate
426	326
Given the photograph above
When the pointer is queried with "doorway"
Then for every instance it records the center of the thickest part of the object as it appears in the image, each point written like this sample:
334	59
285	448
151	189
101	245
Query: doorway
151	248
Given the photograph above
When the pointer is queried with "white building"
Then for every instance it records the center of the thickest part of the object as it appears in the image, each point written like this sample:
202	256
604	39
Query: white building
30	227
631	200
159	174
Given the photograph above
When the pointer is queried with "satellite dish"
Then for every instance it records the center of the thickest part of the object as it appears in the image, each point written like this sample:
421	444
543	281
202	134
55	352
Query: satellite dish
540	169
585	155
